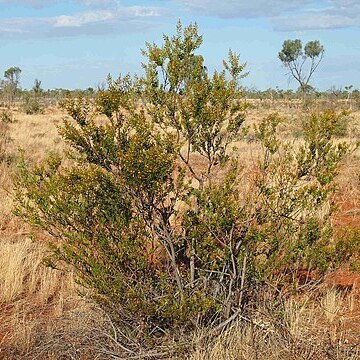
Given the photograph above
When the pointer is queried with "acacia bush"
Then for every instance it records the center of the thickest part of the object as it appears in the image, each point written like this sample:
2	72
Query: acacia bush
154	210
32	105
6	116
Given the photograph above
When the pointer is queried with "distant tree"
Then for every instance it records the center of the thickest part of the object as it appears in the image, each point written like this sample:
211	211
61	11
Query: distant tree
348	92
32	99
13	75
11	83
294	57
37	88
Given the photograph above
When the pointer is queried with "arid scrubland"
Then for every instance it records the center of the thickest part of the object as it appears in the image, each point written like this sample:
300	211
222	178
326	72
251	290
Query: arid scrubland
43	317
169	217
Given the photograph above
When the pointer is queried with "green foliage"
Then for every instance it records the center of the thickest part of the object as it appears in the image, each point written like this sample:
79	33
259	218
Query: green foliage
295	58
204	111
32	105
295	190
11	83
347	248
320	157
37	88
313	49
150	207
116	98
6	116
291	51
105	241
13	74
4	139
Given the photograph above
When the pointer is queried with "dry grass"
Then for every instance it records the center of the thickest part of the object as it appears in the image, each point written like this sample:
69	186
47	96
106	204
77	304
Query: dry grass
77	334
41	315
36	134
4	140
296	331
331	304
24	274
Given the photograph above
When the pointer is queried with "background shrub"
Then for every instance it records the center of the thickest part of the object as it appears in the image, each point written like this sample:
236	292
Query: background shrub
32	105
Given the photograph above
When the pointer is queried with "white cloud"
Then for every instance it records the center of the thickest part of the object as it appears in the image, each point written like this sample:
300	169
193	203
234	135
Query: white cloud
97	22
285	15
312	22
84	18
336	14
242	8
32	3
103	16
44	3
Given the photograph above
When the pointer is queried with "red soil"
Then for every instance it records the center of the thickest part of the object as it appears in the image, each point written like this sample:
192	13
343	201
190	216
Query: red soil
348	212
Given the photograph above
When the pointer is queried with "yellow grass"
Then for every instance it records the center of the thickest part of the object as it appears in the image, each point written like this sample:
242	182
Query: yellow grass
23	272
36	134
299	332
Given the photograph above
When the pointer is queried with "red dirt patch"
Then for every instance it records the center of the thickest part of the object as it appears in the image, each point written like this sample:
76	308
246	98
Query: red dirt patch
348	212
344	280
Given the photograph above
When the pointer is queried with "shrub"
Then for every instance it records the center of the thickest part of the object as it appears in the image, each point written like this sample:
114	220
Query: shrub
32	105
152	211
6	116
4	139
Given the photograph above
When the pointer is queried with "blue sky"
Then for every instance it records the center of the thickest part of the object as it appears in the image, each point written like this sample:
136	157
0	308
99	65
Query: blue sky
76	43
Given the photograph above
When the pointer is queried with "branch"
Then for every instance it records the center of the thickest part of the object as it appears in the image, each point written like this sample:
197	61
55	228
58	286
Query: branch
314	66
